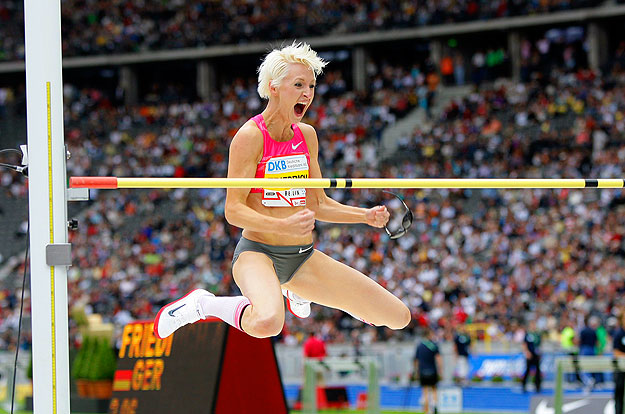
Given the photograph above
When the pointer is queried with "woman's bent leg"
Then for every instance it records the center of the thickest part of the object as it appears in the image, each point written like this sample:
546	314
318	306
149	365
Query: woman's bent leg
254	273
328	282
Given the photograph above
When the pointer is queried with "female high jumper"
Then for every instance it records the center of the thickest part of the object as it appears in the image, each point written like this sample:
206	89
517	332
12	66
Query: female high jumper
275	254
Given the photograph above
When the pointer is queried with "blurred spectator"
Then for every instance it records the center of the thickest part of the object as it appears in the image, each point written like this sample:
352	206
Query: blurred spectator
485	256
459	71
479	67
602	341
531	350
93	28
427	366
314	347
588	336
618	345
568	343
447	70
432	80
462	347
588	344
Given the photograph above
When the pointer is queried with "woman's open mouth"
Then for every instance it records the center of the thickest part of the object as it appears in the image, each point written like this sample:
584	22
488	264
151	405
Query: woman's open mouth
299	109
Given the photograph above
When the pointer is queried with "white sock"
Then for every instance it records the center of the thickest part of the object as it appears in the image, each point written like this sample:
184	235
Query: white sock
227	308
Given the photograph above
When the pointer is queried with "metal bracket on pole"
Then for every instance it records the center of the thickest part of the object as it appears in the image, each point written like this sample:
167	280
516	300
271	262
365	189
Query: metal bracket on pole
59	254
77	194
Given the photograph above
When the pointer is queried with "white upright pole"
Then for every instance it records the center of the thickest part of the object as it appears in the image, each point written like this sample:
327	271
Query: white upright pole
47	206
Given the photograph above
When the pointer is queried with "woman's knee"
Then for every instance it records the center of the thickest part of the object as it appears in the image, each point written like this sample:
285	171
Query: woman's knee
401	318
266	325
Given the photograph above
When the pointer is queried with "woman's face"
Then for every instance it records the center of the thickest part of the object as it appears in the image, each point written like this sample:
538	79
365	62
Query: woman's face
297	90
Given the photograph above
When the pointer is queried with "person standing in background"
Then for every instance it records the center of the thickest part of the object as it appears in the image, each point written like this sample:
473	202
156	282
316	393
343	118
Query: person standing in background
478	62
618	346
587	345
314	347
531	349
459	72
602	341
462	346
427	366
568	344
447	70
433	80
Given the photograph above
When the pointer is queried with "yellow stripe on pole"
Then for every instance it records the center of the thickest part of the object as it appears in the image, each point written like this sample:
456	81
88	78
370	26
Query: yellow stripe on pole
52	276
440	183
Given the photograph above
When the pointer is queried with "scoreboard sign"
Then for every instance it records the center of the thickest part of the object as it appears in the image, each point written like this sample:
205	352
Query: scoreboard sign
207	367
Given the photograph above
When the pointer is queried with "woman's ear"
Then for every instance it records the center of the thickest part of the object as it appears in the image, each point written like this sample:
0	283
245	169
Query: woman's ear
273	89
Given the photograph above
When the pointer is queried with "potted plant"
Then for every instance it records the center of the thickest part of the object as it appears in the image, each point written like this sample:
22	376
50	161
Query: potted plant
80	366
102	369
497	379
477	378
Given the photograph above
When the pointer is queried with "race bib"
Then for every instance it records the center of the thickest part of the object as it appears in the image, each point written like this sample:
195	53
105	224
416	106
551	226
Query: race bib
289	166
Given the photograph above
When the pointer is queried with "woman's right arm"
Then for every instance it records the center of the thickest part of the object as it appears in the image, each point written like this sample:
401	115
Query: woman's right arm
245	153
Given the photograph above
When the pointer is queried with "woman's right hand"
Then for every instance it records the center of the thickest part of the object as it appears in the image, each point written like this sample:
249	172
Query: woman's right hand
299	224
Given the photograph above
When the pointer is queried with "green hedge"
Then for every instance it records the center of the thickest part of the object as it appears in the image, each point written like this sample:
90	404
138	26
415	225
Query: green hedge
95	360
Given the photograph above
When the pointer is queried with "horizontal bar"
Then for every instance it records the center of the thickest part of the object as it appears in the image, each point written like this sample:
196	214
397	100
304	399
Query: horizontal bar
338	364
93	182
511	183
588	363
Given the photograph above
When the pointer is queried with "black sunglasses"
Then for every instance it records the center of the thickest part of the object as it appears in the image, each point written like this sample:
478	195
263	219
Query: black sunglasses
406	222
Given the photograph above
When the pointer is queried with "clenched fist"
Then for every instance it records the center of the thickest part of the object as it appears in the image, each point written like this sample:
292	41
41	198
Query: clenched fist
299	224
377	216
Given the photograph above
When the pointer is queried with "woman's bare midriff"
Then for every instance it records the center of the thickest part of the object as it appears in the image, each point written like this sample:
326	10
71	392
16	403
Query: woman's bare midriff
276	239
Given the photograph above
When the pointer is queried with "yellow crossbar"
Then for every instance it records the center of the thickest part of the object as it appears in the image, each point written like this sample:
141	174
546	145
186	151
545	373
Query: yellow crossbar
518	183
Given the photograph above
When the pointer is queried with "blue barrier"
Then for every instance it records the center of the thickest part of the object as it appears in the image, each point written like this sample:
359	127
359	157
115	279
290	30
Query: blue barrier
510	366
494	399
488	397
474	398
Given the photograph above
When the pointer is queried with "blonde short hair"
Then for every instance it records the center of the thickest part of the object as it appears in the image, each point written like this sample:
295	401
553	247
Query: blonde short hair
274	67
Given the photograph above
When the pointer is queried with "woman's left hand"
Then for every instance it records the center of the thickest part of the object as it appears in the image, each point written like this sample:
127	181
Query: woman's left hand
377	216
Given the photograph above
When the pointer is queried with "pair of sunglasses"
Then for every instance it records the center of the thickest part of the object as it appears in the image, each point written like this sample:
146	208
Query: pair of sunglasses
406	221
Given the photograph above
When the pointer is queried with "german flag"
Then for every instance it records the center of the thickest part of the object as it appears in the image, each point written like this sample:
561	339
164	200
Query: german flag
121	381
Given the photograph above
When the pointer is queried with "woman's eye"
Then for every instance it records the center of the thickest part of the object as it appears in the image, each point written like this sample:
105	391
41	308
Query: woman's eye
299	85
313	86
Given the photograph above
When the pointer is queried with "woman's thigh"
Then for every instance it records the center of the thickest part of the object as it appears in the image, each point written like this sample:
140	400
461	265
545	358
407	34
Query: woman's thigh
328	282
254	274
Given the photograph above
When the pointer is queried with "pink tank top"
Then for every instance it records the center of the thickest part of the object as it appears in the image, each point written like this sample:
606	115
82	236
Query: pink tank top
289	159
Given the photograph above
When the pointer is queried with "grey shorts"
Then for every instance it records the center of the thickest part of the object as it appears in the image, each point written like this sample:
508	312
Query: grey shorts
286	259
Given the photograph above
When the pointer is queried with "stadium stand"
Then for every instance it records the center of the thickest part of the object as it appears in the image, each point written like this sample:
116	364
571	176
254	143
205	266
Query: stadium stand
480	257
489	257
91	28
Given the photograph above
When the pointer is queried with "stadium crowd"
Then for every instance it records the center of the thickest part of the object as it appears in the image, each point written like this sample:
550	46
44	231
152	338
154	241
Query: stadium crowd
496	257
121	26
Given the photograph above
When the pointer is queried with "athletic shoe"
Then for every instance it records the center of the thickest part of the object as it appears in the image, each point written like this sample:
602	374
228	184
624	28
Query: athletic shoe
179	313
298	306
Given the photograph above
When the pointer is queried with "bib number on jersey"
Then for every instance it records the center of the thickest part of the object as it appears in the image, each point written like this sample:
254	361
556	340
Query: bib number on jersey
290	166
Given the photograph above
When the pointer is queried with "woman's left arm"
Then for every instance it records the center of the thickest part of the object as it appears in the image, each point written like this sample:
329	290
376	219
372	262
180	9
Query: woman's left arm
327	209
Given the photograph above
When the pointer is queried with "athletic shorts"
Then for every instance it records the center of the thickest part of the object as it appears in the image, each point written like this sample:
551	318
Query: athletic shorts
286	259
428	380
